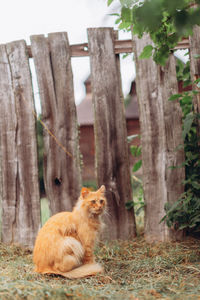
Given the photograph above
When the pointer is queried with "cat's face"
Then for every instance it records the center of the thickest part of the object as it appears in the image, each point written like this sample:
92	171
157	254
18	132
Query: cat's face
94	202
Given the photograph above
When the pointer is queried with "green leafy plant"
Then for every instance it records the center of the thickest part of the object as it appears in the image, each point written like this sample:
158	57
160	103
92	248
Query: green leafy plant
138	201
185	213
136	152
167	22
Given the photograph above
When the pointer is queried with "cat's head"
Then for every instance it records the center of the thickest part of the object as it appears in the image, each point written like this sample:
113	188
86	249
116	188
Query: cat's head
93	202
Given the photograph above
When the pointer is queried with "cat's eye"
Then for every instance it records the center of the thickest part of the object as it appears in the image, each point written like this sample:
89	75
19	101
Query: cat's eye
101	201
93	201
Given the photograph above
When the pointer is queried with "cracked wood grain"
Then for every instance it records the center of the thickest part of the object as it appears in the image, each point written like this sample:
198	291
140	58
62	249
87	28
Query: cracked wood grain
20	187
111	150
62	174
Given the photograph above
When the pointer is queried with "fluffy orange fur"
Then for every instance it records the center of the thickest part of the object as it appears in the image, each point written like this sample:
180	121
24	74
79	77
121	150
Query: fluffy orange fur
65	243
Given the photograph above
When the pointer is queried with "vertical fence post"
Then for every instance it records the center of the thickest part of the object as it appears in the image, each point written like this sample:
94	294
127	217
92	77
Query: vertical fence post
20	187
62	174
161	134
111	149
195	67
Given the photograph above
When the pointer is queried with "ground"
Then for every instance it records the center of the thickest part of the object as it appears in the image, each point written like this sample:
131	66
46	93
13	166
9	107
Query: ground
133	270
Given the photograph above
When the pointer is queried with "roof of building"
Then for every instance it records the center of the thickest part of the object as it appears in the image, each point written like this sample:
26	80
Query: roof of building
85	113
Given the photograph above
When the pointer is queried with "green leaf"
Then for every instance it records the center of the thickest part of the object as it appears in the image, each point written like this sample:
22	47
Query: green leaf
161	54
139	151
197	56
124	25
187	124
125	55
197	80
129	205
135	150
114	14
126	15
186	83
137	165
175	97
196	185
139	210
147	52
183	226
126	3
109	2
186	100
117	21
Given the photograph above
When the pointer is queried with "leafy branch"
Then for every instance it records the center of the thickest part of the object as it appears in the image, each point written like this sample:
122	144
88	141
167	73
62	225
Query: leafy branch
167	22
185	212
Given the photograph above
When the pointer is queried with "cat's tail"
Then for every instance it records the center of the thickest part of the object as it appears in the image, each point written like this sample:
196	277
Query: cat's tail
83	271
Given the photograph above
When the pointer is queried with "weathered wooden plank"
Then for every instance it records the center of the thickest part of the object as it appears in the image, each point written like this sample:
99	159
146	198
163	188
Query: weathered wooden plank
21	200
161	129
67	126
61	170
111	150
195	67
8	123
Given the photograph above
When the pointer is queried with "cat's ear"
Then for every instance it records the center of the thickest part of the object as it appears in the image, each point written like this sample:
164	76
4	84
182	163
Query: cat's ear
102	189
84	192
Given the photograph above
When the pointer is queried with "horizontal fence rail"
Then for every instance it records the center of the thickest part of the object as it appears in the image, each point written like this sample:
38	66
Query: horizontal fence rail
120	46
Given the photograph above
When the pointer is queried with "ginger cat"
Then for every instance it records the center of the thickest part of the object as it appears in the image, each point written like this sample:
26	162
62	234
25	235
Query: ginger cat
65	243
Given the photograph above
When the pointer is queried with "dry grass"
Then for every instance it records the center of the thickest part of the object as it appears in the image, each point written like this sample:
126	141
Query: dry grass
133	270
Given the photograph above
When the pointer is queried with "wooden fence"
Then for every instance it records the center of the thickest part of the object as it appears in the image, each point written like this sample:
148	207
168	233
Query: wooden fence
62	173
